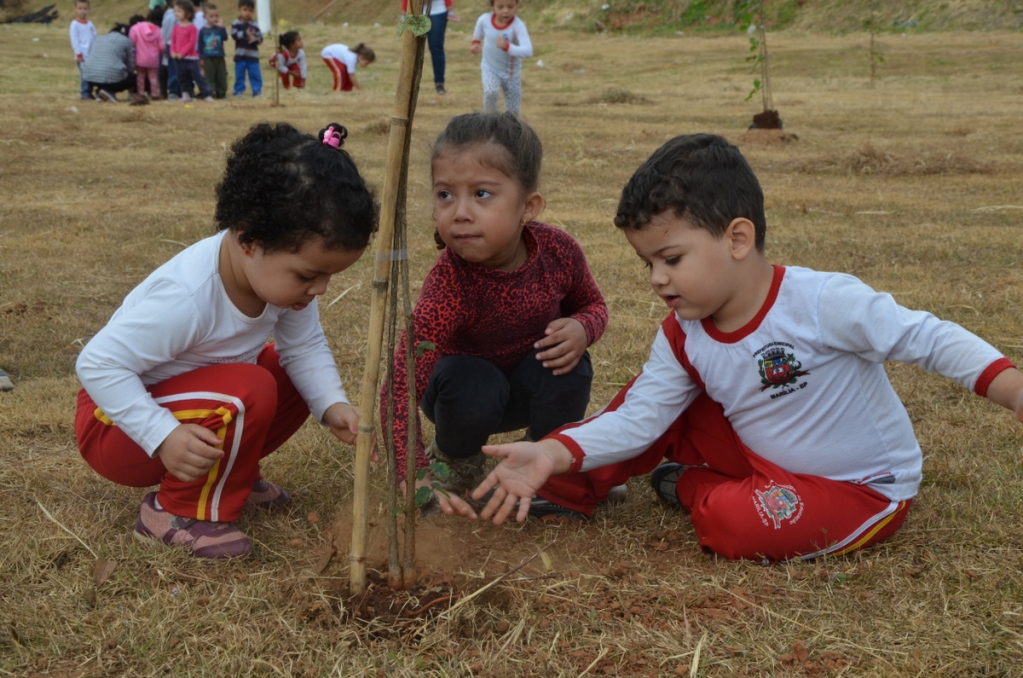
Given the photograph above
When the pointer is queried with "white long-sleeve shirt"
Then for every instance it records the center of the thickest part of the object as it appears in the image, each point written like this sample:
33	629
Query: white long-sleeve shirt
504	62
341	53
803	384
283	61
82	35
180	319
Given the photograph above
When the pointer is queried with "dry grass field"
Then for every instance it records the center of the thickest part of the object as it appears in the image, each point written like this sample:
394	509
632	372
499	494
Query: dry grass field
913	184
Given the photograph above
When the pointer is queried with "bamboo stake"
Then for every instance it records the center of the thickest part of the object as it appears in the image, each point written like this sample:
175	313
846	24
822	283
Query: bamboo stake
397	147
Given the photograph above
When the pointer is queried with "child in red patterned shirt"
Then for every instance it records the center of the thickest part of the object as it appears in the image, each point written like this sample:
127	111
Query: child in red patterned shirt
505	316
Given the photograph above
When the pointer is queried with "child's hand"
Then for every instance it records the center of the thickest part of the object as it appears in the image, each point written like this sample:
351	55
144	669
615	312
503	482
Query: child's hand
474	48
567	339
450	504
1006	389
501	42
524	469
79	58
343	421
189	452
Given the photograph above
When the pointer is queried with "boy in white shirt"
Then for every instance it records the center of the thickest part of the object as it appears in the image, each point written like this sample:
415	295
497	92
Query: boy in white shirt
765	387
83	32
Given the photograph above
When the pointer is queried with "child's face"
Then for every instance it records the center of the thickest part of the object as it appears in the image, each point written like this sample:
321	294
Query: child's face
82	10
363	62
504	10
245	13
295	46
179	14
479	209
293	279
690	269
212	17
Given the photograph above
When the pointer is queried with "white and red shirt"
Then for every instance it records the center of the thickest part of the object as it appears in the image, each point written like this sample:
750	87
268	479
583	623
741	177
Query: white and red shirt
339	52
180	319
803	383
504	62
82	35
283	61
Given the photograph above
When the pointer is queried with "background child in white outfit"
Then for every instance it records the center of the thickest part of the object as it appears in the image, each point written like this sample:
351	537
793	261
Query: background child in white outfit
504	41
83	32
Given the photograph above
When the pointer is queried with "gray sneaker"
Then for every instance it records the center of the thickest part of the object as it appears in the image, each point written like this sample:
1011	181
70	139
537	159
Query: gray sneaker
465	474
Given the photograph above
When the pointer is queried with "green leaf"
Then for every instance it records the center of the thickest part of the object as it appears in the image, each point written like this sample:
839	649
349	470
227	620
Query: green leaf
424	346
440	470
437	487
419	24
421	473
423	495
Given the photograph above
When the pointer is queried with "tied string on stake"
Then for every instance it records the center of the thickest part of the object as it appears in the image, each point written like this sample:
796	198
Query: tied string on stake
393	255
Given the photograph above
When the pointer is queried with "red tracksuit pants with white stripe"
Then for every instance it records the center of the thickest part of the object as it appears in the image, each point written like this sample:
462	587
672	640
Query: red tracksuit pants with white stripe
743	506
253	409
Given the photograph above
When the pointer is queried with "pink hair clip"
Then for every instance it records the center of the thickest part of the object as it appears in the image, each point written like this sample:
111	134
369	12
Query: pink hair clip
332	138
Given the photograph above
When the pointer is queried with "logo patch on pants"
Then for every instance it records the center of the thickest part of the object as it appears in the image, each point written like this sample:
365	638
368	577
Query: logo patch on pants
777	503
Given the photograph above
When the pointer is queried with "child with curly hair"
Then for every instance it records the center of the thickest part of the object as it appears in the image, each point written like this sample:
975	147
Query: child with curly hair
181	387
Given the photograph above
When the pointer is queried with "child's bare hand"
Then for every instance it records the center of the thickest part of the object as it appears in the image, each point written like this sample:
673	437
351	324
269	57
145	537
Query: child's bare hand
474	48
1006	389
343	421
524	469
189	452
567	339
450	504
501	42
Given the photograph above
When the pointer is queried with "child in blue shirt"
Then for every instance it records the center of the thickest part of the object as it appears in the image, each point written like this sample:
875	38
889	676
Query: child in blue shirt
211	51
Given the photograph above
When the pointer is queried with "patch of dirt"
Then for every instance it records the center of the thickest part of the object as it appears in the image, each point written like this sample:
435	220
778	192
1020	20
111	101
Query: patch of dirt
766	137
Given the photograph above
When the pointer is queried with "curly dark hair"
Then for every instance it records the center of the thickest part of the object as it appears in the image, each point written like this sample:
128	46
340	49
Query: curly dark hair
700	178
282	188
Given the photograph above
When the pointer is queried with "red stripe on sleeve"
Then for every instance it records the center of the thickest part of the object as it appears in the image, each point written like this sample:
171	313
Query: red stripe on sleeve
989	374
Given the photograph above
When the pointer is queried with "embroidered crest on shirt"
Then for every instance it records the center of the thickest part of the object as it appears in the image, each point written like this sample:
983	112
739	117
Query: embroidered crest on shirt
777	503
779	368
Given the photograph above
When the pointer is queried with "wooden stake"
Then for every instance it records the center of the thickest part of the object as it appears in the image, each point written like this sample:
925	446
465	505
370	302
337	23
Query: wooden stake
397	161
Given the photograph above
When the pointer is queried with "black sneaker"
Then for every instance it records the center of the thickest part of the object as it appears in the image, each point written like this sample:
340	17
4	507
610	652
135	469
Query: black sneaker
107	97
549	511
540	508
440	88
664	480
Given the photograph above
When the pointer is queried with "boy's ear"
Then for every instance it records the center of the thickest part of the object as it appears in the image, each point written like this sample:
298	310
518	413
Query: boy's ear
742	237
534	205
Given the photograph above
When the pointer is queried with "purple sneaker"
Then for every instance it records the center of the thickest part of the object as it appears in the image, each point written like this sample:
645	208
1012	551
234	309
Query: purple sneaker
267	496
202	538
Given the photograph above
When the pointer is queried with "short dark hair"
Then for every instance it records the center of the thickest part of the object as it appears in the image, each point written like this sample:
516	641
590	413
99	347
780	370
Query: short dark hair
523	152
251	4
282	188
700	178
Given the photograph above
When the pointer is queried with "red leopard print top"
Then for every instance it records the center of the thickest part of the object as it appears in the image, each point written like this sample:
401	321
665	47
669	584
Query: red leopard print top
468	309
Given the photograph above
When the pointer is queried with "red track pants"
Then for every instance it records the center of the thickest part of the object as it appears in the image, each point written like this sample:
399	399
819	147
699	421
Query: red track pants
253	409
742	505
342	81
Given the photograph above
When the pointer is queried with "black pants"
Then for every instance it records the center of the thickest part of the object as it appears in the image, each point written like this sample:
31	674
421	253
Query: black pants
469	398
188	72
128	84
